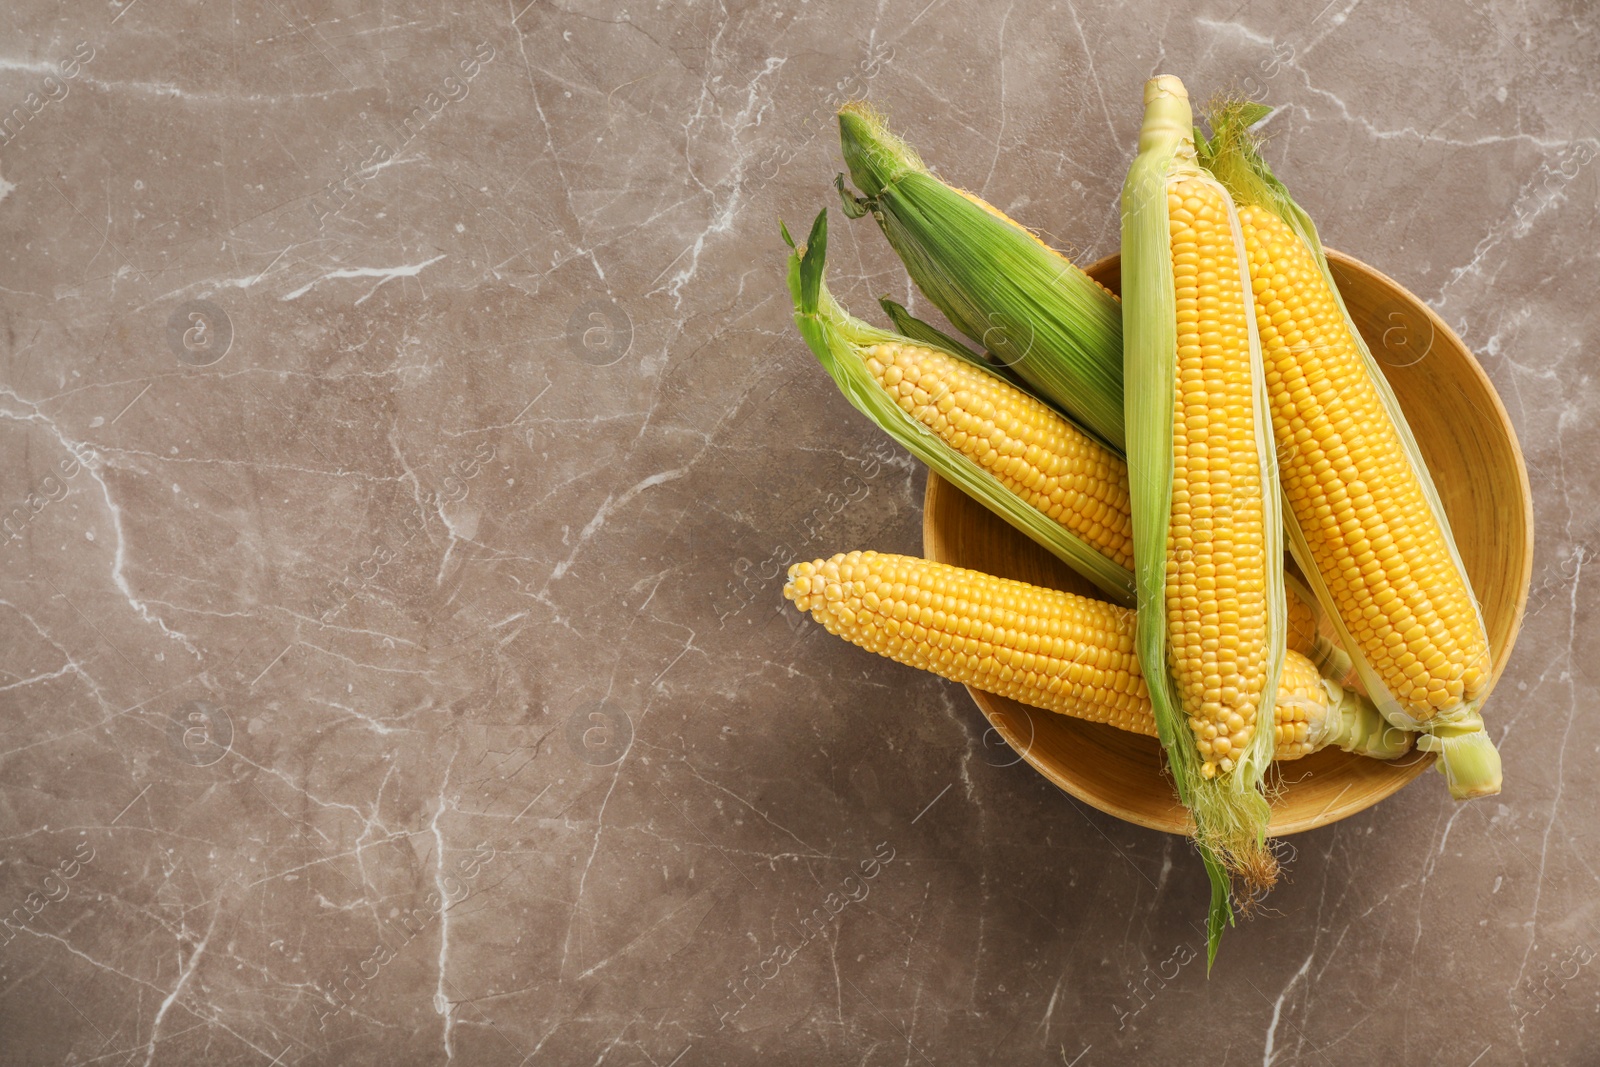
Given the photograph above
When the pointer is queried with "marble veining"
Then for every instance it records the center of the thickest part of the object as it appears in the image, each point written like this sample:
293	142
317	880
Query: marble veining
405	435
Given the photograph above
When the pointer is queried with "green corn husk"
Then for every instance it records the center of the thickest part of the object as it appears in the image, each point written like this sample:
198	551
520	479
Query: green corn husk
1030	307
1468	758
914	328
1354	725
837	338
1230	812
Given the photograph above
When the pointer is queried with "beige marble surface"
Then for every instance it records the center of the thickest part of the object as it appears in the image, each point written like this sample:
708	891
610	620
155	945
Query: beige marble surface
401	418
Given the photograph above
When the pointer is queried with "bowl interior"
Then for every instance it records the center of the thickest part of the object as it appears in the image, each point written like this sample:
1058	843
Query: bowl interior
1467	440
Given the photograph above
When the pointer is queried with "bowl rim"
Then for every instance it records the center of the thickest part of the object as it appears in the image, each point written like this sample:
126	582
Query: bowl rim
1332	813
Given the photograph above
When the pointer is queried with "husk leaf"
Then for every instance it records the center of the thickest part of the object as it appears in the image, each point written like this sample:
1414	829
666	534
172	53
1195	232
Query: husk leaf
1030	308
914	328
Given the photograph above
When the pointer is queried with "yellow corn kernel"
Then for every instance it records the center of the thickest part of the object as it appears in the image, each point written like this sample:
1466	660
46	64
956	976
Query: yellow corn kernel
1216	561
1353	490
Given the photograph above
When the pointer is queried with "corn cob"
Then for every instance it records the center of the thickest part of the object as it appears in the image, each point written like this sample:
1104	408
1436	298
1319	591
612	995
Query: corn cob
1046	648
1366	523
1207	535
1009	452
1216	565
1040	457
997	282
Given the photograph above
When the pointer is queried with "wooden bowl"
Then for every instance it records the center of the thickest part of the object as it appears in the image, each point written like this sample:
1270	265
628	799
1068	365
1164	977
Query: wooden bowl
1467	440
